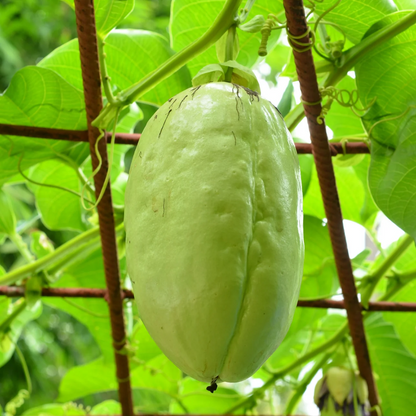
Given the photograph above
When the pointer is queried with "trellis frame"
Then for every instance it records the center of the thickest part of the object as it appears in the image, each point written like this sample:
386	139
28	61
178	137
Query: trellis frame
320	148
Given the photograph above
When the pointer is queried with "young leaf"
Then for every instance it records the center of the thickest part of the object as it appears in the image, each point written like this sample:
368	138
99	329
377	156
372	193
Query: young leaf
391	121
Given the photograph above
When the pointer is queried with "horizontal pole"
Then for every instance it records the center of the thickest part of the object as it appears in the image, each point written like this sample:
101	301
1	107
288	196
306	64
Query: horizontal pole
133	138
17	291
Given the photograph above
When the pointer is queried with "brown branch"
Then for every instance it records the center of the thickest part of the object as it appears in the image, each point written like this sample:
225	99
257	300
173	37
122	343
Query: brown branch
133	138
87	38
70	292
297	26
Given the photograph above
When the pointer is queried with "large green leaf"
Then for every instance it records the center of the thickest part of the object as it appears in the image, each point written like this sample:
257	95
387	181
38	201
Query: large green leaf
356	202
190	19
355	17
109	13
131	55
405	4
93	313
388	73
37	97
59	209
405	323
394	367
198	400
55	409
159	374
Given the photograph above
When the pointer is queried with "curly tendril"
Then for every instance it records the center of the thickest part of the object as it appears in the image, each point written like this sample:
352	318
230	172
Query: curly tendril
343	97
100	162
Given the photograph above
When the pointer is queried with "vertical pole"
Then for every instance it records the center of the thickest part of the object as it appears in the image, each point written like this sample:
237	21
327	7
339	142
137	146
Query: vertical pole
297	26
87	35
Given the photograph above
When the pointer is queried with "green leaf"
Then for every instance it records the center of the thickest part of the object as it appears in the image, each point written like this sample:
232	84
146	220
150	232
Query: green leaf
404	322
93	313
254	25
87	379
319	259
277	59
37	97
109	13
7	217
146	347
355	17
388	73
8	339
148	401
190	19
58	208
353	194
394	367
97	376
405	4
285	104
306	166
198	400
123	49
66	409
216	73
107	407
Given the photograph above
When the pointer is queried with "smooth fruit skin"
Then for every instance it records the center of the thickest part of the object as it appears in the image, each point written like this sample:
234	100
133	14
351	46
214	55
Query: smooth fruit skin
213	216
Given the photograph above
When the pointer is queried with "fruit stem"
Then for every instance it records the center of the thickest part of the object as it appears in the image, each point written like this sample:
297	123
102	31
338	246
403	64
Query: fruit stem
42	263
224	20
229	51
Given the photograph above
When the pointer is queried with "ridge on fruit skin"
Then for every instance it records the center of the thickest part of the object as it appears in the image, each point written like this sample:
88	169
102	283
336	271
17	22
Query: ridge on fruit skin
214	235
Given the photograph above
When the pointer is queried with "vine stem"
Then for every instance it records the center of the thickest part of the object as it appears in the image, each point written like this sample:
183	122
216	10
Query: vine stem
229	51
19	306
22	247
40	264
294	400
350	58
224	20
384	267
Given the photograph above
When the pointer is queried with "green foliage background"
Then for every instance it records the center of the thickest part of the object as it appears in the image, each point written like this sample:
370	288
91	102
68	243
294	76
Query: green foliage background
66	343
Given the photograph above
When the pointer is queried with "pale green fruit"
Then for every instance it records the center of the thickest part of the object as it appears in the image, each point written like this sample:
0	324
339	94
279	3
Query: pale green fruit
214	243
334	393
339	381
